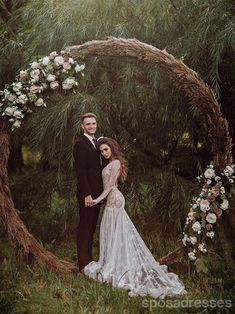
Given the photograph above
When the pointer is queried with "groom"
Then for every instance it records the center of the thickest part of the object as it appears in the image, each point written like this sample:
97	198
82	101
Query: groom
89	186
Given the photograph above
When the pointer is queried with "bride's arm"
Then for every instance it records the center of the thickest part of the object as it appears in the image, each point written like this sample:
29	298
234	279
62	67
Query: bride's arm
114	173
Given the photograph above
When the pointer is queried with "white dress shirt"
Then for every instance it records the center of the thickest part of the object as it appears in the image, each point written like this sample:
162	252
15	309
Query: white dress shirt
90	138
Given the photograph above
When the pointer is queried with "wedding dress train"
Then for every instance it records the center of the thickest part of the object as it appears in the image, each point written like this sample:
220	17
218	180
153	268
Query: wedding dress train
124	260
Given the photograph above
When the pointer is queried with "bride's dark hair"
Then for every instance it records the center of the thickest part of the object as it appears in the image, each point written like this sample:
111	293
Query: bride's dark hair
117	154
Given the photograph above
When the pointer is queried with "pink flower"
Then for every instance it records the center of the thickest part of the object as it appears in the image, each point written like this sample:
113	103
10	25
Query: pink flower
54	85
23	75
215	190
35	89
209	227
66	65
191	215
217	211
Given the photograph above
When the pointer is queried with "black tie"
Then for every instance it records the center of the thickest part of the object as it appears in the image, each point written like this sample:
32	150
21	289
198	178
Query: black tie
95	142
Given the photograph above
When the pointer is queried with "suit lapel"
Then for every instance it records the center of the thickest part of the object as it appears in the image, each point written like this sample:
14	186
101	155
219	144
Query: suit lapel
89	143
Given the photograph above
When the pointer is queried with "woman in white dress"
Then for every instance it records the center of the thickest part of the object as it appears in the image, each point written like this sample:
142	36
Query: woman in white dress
124	260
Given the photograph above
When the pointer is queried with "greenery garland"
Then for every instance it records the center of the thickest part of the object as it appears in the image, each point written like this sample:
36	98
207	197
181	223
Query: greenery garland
51	72
207	208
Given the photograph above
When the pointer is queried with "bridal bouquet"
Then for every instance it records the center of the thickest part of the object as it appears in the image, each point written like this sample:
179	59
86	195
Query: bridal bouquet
51	72
206	209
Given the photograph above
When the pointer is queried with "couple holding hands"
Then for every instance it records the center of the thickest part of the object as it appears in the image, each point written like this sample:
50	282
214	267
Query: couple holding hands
124	259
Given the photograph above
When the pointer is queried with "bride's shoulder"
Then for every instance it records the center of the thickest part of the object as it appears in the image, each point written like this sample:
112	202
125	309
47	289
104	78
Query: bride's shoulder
115	163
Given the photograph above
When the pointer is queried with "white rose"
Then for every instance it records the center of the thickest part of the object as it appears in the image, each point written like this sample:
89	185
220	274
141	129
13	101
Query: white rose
210	234
18	114
224	204
217	178
35	74
196	226
51	78
34	65
193	240
68	83
79	68
9	111
16	124
209	173
229	171
45	61
59	60
39	102
71	61
204	205
202	247
11	97
53	54
208	182
211	218
192	256
17	86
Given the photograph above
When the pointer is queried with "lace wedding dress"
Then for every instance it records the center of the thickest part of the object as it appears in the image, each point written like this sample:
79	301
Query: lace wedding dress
124	260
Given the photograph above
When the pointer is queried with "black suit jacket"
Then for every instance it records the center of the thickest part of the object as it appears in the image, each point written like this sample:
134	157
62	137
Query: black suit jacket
88	168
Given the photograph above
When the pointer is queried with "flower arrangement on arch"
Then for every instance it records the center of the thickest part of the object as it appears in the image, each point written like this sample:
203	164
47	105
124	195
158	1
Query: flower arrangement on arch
51	72
200	226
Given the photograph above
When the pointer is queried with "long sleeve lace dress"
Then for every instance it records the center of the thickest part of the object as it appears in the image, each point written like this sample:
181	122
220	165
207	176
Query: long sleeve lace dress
124	260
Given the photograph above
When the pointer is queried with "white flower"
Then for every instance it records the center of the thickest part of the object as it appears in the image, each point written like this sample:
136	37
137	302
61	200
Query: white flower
210	234
9	111
53	54
68	83
18	114
59	60
35	74
11	97
224	204
228	171
192	256
34	65
16	124
202	247
217	178
45	61
209	173
211	218
71	60
196	226
39	102
193	240
17	87
204	205
222	190
51	78
185	239
208	182
79	68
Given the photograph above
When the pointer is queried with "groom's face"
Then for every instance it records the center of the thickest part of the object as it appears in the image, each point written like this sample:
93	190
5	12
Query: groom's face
89	125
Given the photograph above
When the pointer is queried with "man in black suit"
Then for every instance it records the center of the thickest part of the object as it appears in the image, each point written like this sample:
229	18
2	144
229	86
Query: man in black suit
90	186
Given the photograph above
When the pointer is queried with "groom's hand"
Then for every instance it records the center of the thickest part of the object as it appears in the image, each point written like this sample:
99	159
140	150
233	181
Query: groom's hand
88	201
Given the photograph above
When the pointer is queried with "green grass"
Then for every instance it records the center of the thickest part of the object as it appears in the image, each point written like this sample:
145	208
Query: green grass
36	289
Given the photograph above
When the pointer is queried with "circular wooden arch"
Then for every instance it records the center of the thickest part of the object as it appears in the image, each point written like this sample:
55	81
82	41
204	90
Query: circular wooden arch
187	80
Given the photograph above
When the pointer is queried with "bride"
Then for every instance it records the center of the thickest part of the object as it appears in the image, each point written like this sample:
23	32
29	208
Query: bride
124	260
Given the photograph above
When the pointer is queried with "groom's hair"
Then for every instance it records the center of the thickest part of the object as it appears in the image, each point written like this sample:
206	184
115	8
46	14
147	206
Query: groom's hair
88	115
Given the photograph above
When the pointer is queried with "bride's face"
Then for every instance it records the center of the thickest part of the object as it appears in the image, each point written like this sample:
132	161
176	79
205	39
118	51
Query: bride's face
105	151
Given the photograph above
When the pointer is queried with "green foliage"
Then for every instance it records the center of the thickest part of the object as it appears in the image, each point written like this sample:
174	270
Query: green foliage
47	206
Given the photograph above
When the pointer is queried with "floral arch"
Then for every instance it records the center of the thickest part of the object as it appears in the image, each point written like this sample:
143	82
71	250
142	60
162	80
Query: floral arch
59	71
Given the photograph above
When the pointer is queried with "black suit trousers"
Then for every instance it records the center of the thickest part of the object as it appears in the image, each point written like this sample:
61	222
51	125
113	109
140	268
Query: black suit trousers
86	229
